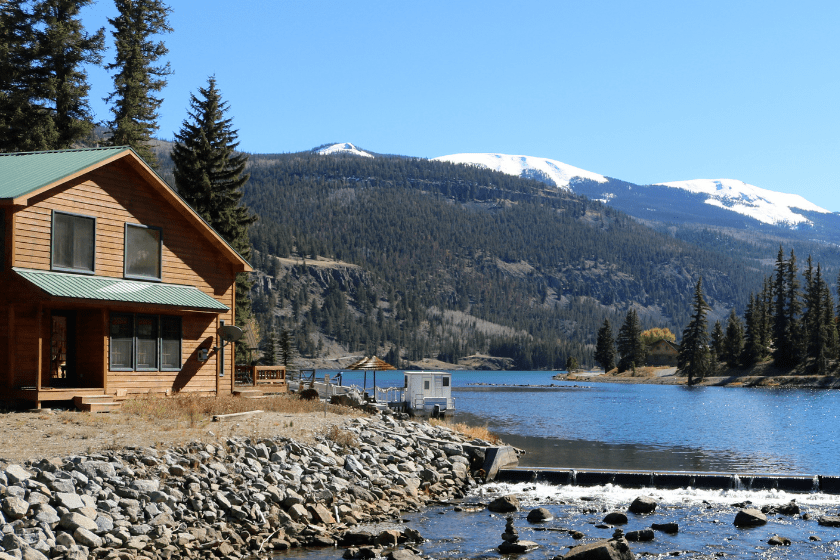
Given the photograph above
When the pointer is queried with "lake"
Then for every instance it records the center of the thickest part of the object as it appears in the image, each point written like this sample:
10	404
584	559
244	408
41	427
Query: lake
649	427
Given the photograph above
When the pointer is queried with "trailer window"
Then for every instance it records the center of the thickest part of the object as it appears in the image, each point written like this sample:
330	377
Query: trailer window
426	385
446	382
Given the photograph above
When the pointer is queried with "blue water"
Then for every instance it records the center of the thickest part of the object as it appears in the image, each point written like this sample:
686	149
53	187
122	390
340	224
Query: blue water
648	427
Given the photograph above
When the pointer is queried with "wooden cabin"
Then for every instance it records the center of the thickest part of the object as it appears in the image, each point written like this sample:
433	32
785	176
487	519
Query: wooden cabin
662	353
111	285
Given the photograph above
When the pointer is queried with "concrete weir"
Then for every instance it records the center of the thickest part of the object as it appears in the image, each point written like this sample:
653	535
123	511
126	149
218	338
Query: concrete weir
673	479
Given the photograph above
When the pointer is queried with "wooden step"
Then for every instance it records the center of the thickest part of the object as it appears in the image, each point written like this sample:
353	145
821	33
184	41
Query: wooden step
96	403
248	393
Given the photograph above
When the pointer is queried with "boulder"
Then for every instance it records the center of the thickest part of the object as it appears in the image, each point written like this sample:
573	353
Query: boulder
16	474
72	521
616	518
538	515
790	508
643	504
402	554
829	520
504	504
749	517
517	547
776	540
87	538
15	508
601	550
670	528
644	535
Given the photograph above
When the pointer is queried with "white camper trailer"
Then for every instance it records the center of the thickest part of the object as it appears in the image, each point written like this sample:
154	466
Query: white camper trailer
428	393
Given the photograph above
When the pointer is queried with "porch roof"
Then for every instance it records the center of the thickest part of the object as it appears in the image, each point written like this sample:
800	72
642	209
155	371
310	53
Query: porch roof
102	288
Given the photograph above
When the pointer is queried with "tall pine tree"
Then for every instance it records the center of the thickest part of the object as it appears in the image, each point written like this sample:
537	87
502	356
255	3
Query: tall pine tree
733	340
139	74
605	347
210	174
43	87
631	349
694	356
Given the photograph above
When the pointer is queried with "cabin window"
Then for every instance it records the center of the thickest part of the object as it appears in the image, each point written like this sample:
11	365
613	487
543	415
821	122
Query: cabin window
426	385
73	242
145	342
446	382
142	252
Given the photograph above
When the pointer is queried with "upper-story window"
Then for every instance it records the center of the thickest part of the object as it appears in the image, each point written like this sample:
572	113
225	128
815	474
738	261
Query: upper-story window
142	252
73	242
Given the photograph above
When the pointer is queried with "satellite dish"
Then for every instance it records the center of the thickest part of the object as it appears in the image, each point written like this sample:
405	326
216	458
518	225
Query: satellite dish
230	333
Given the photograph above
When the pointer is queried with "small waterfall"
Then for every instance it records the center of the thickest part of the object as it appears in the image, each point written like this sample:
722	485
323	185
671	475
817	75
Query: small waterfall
653	480
736	482
815	484
572	477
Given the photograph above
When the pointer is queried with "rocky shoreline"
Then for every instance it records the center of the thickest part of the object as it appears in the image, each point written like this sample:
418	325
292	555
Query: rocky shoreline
238	497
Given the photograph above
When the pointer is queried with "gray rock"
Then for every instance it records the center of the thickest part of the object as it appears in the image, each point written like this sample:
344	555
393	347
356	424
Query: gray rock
644	535
517	547
616	518
15	508
29	553
669	528
749	517
15	474
601	550
776	540
87	538
643	504
71	501
539	515
72	521
829	520
504	504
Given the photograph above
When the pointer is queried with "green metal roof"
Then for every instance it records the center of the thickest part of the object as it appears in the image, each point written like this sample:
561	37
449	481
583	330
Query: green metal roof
23	173
103	288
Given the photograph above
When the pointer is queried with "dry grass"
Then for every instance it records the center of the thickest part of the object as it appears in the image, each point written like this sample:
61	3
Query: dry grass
342	437
195	410
473	432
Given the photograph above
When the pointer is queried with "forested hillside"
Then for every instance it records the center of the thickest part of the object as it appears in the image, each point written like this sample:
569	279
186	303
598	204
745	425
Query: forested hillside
410	258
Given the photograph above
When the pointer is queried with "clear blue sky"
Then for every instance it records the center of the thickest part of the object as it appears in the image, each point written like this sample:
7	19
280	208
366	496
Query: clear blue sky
642	91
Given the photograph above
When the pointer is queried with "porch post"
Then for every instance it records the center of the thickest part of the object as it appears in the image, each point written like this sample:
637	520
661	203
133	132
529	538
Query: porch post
10	381
40	329
105	334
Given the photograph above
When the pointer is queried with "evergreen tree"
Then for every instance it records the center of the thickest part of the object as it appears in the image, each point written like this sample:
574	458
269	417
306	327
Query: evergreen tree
210	174
753	351
269	357
798	344
286	348
733	341
43	87
631	349
717	339
605	347
572	364
693	357
139	74
63	47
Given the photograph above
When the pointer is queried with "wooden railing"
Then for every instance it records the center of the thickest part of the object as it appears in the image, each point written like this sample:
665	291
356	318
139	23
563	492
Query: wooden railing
273	377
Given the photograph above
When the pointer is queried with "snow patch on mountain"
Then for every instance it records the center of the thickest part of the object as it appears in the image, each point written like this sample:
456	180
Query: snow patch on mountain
766	206
344	148
526	166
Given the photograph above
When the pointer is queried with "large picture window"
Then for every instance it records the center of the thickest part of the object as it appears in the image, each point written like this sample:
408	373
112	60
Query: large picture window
145	342
142	252
73	242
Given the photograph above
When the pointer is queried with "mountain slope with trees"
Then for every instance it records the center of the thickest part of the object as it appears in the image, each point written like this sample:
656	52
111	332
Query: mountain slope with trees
434	260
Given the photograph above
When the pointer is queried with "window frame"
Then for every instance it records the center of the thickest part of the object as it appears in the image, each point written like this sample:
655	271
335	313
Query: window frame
54	238
126	274
159	319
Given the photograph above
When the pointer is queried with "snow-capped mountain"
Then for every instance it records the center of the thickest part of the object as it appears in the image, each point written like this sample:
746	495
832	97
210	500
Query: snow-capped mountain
654	201
344	148
558	173
766	206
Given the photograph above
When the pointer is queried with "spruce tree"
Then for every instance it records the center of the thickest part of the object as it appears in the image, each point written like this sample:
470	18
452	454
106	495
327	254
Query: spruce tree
733	340
693	357
631	349
210	174
286	348
605	347
269	356
717	339
139	75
